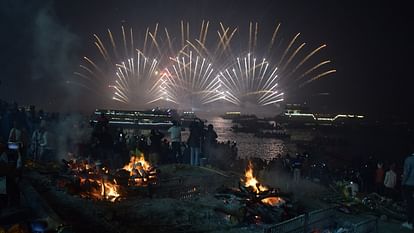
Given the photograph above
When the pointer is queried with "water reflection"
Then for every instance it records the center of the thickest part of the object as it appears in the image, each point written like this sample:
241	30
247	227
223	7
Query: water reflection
247	144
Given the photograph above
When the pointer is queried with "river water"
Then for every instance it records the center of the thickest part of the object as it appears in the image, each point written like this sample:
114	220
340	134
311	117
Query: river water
248	145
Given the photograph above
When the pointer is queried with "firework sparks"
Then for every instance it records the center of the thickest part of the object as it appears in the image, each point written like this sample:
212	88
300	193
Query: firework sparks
186	69
193	76
251	81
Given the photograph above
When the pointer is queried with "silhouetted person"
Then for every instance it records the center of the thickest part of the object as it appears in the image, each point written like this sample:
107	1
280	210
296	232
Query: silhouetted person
102	121
11	164
194	141
210	141
408	190
119	147
166	153
46	144
143	146
175	135
296	167
15	134
379	177
156	138
105	144
35	143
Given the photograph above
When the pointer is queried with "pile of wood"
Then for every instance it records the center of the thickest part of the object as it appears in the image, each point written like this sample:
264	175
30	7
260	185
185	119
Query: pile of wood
90	180
246	205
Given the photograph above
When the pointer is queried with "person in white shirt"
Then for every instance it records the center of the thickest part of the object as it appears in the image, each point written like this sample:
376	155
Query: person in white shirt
46	146
390	181
35	143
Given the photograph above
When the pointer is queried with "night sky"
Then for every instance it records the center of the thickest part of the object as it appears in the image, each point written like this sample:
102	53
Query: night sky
370	45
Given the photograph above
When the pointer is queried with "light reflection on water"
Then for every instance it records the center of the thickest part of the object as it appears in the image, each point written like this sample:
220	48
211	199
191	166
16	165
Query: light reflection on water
248	145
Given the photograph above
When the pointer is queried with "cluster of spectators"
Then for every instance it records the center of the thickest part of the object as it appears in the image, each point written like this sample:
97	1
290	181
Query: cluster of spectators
115	146
23	134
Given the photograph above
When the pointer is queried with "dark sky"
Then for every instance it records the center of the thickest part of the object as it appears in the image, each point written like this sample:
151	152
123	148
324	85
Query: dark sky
370	45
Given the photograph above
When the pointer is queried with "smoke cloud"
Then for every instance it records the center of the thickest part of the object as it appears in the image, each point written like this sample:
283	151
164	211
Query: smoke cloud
53	46
38	55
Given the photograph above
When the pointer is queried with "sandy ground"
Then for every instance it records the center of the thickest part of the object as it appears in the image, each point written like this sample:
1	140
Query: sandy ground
187	214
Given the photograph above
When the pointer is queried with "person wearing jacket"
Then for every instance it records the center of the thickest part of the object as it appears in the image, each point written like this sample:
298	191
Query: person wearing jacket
408	189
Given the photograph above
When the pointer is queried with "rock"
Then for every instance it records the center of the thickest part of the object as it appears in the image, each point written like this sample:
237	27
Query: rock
384	217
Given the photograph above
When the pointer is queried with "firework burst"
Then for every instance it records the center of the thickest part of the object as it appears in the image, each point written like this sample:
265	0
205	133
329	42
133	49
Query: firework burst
197	67
251	81
192	81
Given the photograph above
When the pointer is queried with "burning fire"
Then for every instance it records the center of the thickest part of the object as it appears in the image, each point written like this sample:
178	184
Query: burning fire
109	191
137	162
139	169
251	181
101	189
101	183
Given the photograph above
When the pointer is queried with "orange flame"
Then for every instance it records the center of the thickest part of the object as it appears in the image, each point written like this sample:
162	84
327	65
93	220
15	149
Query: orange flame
251	181
273	201
109	190
135	161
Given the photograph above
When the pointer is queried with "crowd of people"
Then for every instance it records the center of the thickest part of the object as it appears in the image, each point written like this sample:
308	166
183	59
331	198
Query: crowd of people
116	146
27	134
30	134
23	132
370	176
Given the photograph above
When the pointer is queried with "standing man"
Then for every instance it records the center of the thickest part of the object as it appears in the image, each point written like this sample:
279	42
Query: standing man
210	142
390	181
35	143
408	190
194	141
155	148
296	167
46	144
175	134
15	134
379	178
11	164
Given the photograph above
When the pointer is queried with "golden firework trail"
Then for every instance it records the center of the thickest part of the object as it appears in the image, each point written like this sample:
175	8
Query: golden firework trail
194	67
